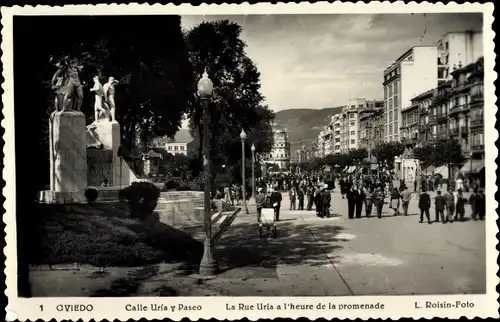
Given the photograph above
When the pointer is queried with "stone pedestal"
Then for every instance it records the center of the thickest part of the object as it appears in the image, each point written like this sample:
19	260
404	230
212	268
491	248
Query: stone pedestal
109	135
68	156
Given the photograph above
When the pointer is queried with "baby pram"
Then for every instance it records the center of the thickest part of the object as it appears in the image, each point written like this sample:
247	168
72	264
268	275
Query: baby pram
267	226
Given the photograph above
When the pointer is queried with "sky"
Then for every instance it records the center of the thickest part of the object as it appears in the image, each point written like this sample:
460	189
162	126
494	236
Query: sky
319	61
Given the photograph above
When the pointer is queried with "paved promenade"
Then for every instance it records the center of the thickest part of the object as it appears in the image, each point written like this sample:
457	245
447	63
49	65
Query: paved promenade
310	257
338	256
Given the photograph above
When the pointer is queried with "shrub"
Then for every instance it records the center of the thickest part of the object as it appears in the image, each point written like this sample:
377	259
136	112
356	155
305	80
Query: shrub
142	198
91	195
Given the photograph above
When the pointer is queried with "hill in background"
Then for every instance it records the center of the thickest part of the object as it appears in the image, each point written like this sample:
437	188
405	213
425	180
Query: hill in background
304	125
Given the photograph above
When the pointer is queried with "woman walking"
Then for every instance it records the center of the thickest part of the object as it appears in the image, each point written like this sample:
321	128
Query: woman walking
394	202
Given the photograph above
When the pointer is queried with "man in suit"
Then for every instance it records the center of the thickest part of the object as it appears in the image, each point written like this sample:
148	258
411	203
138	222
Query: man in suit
276	202
260	199
326	198
424	203
351	197
360	198
439	204
300	196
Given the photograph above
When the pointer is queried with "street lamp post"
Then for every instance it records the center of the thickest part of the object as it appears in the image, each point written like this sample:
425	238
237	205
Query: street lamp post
253	171
208	265
243	137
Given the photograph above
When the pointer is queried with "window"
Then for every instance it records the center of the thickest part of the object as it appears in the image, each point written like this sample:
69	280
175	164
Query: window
169	147
390	90
353	123
353	132
182	147
396	88
396	128
353	141
176	148
395	101
351	115
390	129
390	117
385	91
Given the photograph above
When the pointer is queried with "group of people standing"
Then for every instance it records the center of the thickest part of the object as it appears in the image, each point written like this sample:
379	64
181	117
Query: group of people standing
318	195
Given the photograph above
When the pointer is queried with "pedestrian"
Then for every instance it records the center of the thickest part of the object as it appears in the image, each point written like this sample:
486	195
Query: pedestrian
310	196
394	201
292	194
300	196
360	198
326	198
424	204
473	203
481	205
351	202
439	205
368	201
378	201
260	199
317	201
238	194
228	196
460	206
276	202
449	200
405	200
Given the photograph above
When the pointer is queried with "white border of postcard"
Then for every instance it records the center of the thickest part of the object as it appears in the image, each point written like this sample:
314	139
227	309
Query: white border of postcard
483	306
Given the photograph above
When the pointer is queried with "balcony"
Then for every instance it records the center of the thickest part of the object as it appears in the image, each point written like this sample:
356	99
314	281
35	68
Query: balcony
441	117
477	148
464	130
459	109
432	119
477	123
454	131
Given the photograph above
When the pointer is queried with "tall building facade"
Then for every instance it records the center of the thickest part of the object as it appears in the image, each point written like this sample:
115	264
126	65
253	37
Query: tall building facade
458	49
454	109
371	124
280	153
411	74
336	122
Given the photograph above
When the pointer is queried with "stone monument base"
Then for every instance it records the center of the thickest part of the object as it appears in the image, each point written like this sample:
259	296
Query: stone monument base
49	196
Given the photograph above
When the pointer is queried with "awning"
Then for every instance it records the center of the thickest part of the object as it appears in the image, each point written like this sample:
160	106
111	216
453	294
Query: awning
443	171
475	165
430	169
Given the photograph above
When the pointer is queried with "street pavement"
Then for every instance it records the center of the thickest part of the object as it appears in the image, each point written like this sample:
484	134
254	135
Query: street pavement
310	257
394	255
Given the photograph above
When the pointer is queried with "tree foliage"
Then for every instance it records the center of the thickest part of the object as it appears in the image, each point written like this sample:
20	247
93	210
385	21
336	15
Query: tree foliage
357	155
386	152
236	102
425	154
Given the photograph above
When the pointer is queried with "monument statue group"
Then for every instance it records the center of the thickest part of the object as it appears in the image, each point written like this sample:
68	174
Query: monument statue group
70	137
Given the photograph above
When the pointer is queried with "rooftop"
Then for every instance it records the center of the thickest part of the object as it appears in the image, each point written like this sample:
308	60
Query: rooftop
182	136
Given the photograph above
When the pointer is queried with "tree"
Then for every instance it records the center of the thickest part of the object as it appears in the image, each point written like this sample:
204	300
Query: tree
154	72
340	160
425	154
236	102
448	152
357	155
386	152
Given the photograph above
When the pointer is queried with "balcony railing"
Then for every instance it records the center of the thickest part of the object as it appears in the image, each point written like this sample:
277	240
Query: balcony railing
459	109
477	148
441	117
423	111
479	122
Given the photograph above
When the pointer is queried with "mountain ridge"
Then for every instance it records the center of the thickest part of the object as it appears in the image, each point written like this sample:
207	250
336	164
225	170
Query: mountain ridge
303	125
